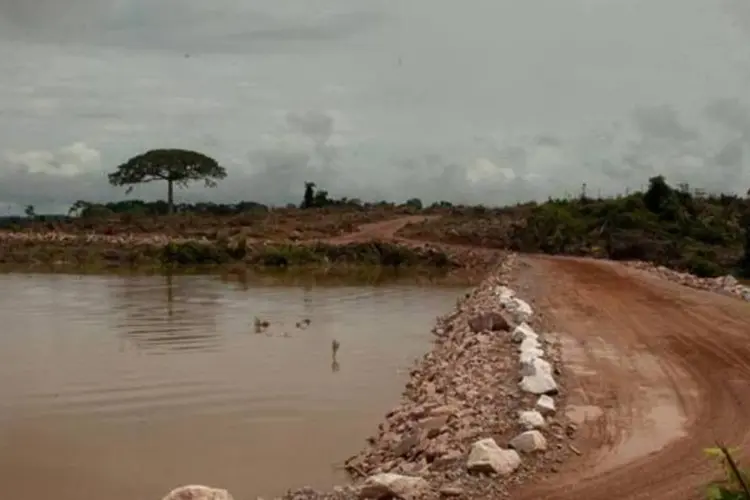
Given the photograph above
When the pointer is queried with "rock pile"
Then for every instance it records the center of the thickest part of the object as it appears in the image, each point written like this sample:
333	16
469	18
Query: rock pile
724	284
478	413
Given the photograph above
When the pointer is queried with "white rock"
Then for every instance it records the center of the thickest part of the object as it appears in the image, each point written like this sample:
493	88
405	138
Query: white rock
533	365
522	332
198	492
522	309
504	292
388	485
529	355
486	456
529	442
729	281
539	383
545	405
529	343
531	419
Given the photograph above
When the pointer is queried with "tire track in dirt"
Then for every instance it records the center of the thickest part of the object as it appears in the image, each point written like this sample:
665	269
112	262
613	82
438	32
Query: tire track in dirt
668	366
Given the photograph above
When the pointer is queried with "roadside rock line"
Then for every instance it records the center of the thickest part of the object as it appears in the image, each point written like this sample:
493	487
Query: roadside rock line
724	284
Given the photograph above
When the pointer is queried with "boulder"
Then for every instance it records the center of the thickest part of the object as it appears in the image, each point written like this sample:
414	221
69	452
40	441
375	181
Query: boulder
389	485
533	365
522	332
197	492
545	405
529	343
529	442
487	457
529	355
505	295
531	419
539	383
521	309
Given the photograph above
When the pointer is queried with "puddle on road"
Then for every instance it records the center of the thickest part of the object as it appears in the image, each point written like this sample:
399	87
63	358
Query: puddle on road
650	412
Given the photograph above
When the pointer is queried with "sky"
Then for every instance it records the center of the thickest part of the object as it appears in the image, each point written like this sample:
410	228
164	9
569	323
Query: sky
481	101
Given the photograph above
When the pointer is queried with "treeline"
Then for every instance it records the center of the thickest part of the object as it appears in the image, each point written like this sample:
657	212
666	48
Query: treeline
312	198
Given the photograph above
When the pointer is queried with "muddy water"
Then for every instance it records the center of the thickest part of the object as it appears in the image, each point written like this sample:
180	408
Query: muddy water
124	387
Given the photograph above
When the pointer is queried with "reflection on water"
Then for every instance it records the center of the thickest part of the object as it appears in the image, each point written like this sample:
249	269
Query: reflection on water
128	386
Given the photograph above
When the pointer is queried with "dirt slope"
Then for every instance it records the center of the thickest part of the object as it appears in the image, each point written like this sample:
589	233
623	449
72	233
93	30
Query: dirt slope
659	372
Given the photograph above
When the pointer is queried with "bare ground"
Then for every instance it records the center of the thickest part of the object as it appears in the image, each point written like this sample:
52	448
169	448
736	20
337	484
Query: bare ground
655	372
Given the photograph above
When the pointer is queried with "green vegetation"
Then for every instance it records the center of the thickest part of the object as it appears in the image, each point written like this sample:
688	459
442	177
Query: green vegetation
704	235
736	482
678	228
175	166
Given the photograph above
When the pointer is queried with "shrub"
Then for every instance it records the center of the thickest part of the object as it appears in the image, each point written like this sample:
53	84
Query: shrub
736	482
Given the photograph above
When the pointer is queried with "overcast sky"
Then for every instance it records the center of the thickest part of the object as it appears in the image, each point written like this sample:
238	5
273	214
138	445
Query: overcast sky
490	101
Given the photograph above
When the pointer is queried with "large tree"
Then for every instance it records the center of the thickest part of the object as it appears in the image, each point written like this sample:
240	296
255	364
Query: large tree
176	166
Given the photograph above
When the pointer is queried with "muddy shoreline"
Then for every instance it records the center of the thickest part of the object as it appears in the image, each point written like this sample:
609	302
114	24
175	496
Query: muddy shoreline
58	252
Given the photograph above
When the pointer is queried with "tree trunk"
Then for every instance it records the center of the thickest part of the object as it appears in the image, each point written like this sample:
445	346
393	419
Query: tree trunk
170	196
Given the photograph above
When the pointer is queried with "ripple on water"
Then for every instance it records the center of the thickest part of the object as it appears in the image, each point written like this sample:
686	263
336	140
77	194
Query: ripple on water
155	366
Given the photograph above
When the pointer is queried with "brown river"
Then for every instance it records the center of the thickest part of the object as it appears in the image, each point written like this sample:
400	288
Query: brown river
125	387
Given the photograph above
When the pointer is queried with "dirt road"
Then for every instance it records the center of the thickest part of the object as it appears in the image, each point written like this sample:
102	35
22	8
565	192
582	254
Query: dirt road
383	230
656	371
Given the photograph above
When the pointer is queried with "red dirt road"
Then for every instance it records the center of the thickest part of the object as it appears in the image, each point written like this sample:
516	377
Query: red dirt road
383	230
657	371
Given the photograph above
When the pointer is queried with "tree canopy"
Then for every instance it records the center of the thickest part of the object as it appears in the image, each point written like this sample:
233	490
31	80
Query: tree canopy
175	166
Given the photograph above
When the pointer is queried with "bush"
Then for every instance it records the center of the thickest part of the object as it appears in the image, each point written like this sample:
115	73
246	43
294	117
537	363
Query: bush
193	253
736	482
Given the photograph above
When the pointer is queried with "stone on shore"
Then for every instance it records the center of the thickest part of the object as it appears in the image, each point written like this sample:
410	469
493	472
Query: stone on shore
545	405
529	343
535	364
388	485
523	332
198	492
529	355
539	383
531	419
520	308
529	442
487	457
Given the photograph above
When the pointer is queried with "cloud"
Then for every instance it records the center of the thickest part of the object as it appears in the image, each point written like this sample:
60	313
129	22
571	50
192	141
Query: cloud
68	161
182	25
493	102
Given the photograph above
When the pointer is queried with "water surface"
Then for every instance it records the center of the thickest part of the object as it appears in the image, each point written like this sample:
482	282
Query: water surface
124	387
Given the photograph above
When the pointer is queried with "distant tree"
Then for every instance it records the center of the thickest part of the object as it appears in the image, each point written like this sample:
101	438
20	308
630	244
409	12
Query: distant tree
30	211
308	199
77	208
658	194
321	198
415	203
176	166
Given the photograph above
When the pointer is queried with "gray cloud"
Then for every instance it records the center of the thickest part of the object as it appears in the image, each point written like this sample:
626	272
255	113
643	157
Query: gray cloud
181	25
493	102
